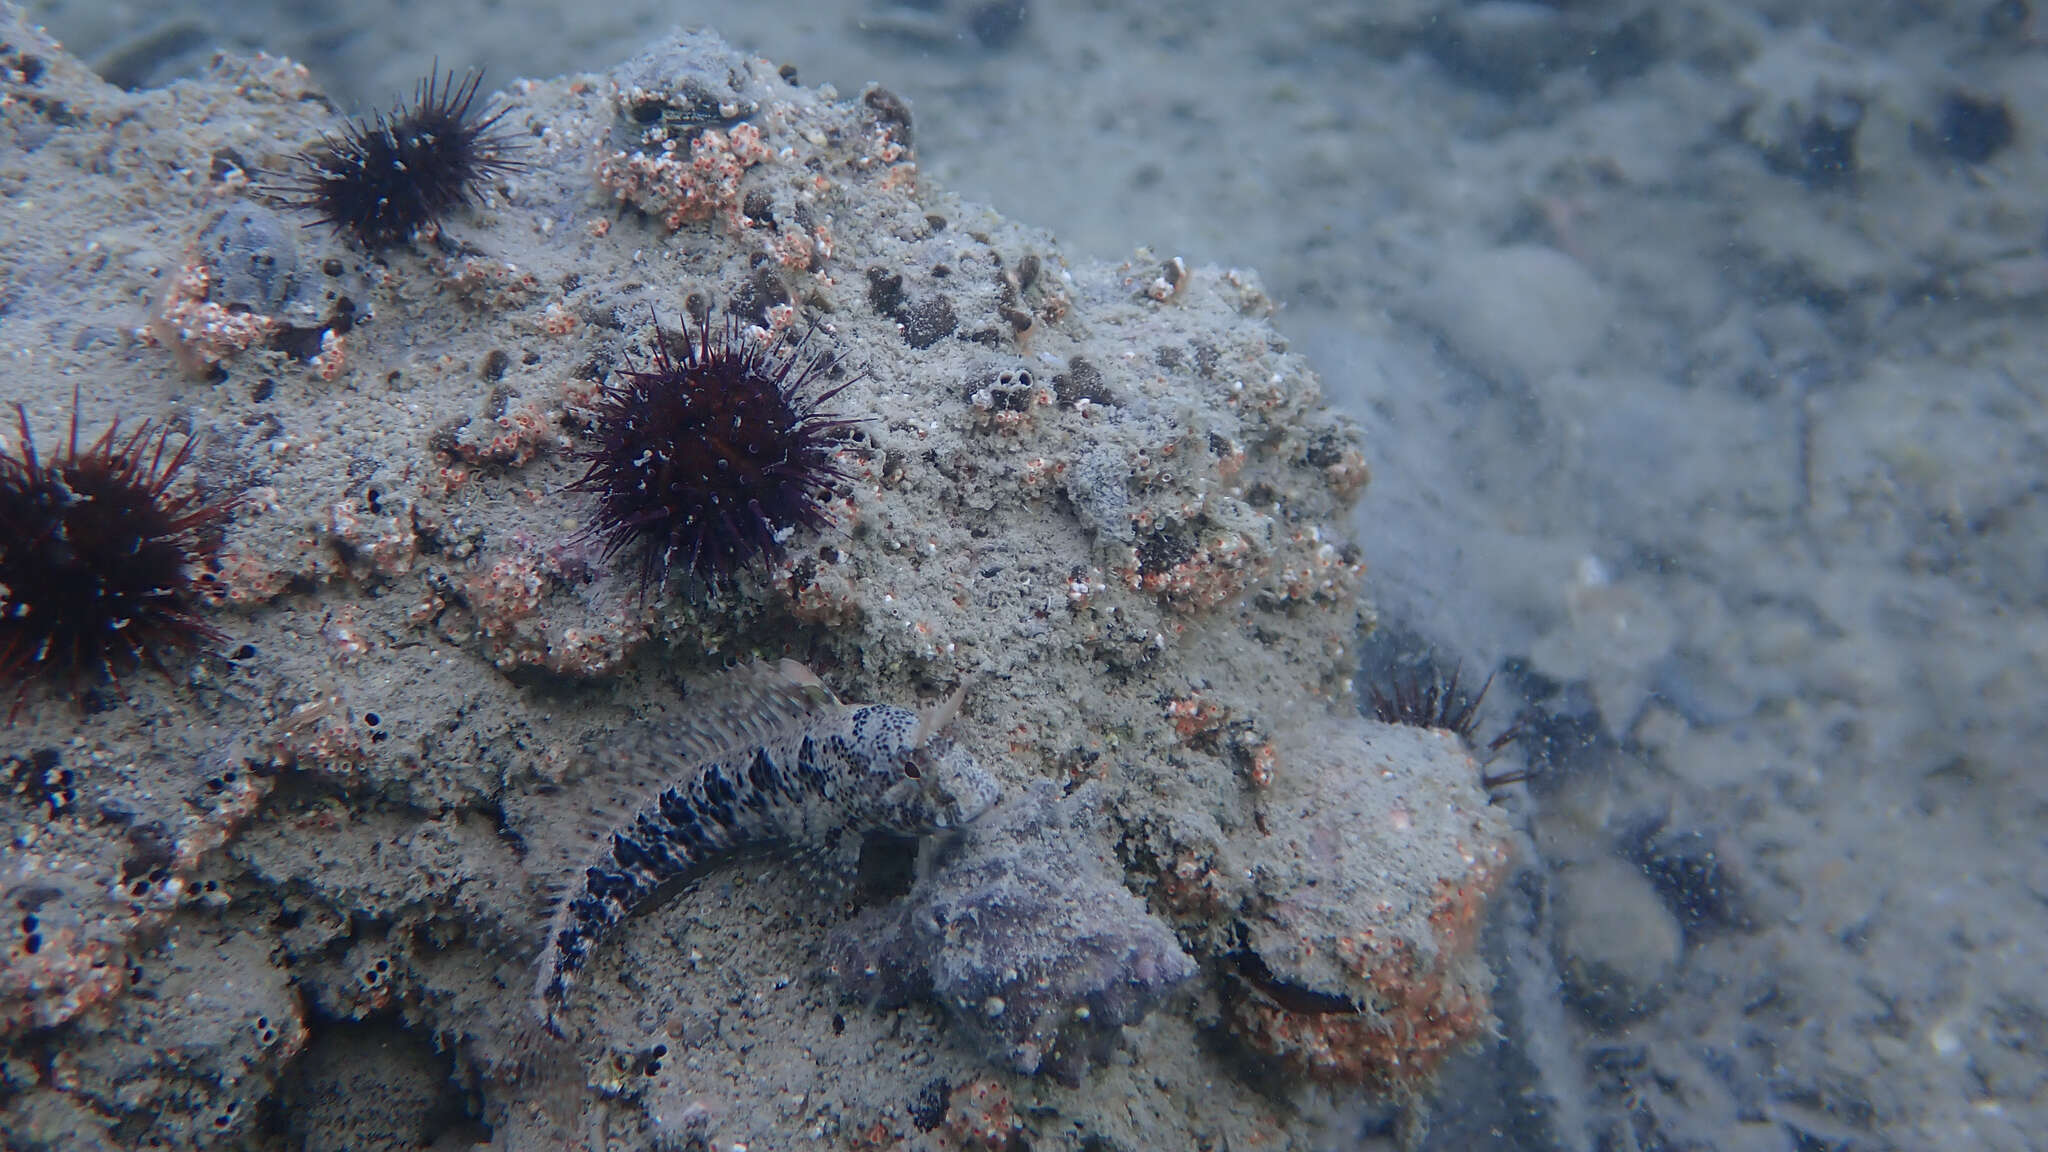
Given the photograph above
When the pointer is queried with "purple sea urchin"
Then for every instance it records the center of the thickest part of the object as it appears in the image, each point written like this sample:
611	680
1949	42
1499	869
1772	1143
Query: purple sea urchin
98	556
383	180
711	459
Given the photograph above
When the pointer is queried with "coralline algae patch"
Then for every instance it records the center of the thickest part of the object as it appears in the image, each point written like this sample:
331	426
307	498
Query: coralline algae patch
1109	494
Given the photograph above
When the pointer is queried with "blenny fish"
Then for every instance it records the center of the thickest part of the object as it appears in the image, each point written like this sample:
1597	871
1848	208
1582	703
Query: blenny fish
778	761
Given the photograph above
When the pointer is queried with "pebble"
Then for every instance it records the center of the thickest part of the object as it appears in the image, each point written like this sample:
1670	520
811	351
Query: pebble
1617	944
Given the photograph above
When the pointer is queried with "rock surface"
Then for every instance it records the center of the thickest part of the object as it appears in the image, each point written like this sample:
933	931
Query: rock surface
1109	492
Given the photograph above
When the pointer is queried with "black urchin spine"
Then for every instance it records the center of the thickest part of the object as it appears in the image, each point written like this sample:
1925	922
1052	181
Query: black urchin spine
708	461
392	177
1428	700
100	560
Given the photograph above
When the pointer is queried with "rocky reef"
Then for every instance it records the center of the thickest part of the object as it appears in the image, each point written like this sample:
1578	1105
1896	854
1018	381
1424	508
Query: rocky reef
1108	492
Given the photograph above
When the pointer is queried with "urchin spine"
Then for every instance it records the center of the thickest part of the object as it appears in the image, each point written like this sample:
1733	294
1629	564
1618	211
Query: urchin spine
708	460
389	178
97	554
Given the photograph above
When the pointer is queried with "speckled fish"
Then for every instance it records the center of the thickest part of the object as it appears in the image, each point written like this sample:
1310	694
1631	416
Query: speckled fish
780	761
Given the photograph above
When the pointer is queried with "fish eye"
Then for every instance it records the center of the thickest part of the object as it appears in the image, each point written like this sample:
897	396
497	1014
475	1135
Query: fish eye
911	769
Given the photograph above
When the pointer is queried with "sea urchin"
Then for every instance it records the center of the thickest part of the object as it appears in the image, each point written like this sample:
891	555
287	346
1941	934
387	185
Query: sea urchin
385	179
712	458
98	556
1432	702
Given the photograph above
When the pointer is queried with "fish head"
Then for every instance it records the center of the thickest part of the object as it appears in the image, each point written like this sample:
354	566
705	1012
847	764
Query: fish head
955	789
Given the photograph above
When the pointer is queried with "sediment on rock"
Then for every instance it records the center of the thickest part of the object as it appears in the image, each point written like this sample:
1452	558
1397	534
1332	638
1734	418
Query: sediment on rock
1119	509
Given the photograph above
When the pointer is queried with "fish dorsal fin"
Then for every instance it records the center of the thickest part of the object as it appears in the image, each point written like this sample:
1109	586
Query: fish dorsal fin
933	720
732	713
745	708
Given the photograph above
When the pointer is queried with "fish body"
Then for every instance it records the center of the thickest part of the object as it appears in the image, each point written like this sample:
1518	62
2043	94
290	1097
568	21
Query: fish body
802	771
